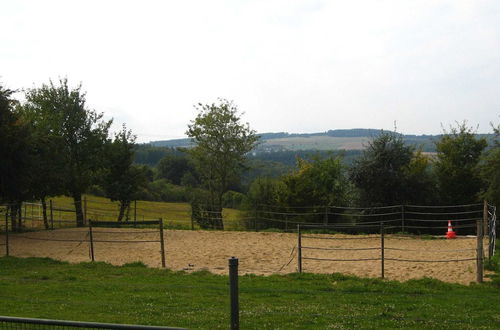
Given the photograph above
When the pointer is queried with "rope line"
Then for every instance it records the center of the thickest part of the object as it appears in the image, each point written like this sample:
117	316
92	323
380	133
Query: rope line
440	251
340	238
292	256
443	213
442	220
443	206
50	239
326	259
339	249
413	260
113	241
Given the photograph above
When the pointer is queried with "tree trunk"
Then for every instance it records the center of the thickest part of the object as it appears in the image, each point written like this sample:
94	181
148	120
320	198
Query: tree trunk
123	207
44	211
15	216
77	200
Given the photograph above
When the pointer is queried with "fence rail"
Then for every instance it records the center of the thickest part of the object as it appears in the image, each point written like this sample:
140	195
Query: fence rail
11	322
487	221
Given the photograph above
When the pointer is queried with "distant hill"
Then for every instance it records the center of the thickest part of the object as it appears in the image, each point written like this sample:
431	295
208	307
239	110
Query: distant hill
338	139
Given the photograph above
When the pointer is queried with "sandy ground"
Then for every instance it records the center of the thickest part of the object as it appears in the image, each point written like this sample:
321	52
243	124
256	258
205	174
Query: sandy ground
258	253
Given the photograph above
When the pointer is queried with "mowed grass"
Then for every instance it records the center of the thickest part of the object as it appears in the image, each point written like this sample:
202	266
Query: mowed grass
133	294
174	215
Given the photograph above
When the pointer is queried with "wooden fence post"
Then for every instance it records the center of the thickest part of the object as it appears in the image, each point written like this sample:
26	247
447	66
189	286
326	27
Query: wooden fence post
135	211
326	216
479	263
7	231
299	249
84	209
162	245
382	250
51	215
402	218
91	241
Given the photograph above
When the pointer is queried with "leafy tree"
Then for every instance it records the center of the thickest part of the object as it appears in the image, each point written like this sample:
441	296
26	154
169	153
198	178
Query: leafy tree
222	143
390	172
174	167
320	182
458	155
47	149
122	180
63	112
15	155
264	196
490	170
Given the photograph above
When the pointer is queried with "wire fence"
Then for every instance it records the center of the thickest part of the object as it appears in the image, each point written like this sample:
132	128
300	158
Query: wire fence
378	245
382	224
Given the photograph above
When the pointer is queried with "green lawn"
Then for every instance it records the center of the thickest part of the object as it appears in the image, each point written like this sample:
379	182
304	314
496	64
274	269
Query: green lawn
134	294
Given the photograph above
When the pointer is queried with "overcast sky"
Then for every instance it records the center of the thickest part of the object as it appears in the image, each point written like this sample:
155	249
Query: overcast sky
295	66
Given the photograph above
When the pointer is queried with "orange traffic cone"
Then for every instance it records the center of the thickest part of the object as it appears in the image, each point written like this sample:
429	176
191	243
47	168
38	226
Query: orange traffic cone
450	233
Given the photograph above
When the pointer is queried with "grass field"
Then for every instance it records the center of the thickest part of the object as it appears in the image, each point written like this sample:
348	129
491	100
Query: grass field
134	294
318	143
174	215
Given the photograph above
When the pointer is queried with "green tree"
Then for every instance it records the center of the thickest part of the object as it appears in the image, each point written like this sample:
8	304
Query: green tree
63	112
390	172
459	152
15	154
121	180
221	146
174	168
490	170
263	197
46	177
319	182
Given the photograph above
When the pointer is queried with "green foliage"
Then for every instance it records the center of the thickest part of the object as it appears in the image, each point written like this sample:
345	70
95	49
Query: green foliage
17	155
222	144
62	112
458	156
233	199
390	172
163	190
121	180
319	182
490	171
177	169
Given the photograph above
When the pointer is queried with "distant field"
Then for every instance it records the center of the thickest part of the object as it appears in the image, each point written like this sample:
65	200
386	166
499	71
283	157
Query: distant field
318	143
174	215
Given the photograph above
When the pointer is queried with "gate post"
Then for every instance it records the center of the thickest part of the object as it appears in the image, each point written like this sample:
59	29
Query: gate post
479	262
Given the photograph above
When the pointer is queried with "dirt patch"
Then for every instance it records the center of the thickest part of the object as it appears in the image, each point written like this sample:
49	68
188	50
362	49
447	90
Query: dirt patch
258	253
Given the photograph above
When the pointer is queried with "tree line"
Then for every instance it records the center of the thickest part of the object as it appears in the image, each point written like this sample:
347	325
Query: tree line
52	144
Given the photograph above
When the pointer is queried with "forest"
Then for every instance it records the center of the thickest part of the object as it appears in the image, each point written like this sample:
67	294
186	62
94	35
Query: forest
52	144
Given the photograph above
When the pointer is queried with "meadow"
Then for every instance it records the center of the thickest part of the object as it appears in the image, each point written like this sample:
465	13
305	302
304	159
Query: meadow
134	294
174	215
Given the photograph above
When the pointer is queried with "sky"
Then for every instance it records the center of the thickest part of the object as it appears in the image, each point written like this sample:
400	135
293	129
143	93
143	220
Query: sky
293	66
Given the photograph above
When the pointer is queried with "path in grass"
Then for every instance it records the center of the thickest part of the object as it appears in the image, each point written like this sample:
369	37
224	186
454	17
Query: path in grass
259	253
